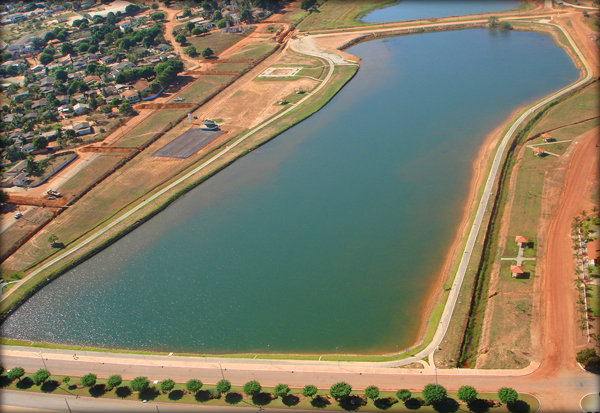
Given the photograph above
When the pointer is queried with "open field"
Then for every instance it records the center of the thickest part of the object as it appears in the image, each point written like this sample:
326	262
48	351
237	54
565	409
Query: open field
335	14
216	40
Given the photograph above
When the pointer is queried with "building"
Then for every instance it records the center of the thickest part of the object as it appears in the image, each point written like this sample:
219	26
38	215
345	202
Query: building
131	96
547	137
82	128
521	241
517	271
593	252
81	108
537	151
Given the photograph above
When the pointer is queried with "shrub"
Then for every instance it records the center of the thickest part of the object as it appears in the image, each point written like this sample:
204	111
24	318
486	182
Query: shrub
585	354
508	395
403	394
252	388
88	380
372	392
281	390
309	390
139	384
193	385
15	373
467	394
223	386
433	393
167	385
40	376
114	381
340	390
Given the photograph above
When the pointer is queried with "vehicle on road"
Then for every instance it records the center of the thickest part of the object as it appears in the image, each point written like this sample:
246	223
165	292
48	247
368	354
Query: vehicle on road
18	215
178	99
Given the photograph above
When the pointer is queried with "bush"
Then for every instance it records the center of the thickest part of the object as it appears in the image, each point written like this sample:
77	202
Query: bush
281	390
585	354
403	394
15	373
139	384
309	390
88	380
180	39
207	52
252	388
167	385
123	392
433	393
223	386
372	392
114	381
467	394
193	385
340	389
191	51
508	395
40	376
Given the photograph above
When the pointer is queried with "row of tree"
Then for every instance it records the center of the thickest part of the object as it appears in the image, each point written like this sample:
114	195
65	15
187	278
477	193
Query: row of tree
432	394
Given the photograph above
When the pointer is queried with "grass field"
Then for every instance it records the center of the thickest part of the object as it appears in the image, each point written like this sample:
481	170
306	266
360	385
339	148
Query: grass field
91	173
254	50
216	40
207	397
593	296
335	14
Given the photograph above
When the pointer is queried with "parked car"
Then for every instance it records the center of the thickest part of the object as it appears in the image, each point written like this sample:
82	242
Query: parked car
178	99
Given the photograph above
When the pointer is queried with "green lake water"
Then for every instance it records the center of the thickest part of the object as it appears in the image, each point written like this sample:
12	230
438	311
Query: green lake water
330	237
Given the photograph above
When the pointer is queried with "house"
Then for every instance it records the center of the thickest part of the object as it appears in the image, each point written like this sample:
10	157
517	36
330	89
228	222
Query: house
141	86
82	128
517	270
65	111
40	103
21	179
81	108
547	137
110	91
108	59
8	118
91	79
131	96
537	151
27	148
62	99
51	135
593	252
521	241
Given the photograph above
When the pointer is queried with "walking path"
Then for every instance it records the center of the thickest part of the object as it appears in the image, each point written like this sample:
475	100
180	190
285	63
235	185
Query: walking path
519	258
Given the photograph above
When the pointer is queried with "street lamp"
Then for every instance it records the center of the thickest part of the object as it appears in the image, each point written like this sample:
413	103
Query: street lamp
43	361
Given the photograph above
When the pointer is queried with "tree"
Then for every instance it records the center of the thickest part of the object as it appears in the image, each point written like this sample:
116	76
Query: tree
223	386
246	15
40	142
157	16
505	26
403	394
207	52
340	390
186	12
15	373
281	390
3	199
66	380
180	38
189	26
167	385
32	166
126	109
139	384
193	385
89	379
61	75
467	394
252	387
508	395
114	381
154	6
308	5
66	48
434	393
372	392
132	9
191	51
309	390
167	76
493	22
46	58
40	376
154	86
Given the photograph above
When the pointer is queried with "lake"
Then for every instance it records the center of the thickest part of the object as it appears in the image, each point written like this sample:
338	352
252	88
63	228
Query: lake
328	238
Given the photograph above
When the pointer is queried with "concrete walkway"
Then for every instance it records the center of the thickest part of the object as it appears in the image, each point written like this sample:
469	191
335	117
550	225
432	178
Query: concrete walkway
519	258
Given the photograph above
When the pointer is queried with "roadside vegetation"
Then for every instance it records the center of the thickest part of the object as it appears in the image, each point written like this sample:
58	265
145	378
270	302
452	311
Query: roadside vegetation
432	398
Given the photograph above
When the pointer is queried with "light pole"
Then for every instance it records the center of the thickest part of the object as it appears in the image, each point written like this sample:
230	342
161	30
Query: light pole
435	370
68	407
221	367
43	361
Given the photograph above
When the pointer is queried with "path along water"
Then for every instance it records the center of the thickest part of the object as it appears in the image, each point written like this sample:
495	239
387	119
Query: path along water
327	238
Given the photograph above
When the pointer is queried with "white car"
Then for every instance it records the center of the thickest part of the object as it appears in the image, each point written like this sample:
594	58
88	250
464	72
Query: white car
178	99
18	215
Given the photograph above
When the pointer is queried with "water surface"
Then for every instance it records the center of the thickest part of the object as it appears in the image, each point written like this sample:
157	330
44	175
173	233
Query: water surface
428	9
329	237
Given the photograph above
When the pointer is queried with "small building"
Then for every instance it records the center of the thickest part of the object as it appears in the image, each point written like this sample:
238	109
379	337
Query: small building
547	137
537	151
21	179
82	128
517	270
593	252
131	96
522	240
81	108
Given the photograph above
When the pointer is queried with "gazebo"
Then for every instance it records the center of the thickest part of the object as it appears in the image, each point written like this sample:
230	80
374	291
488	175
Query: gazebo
547	137
517	270
521	240
539	151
